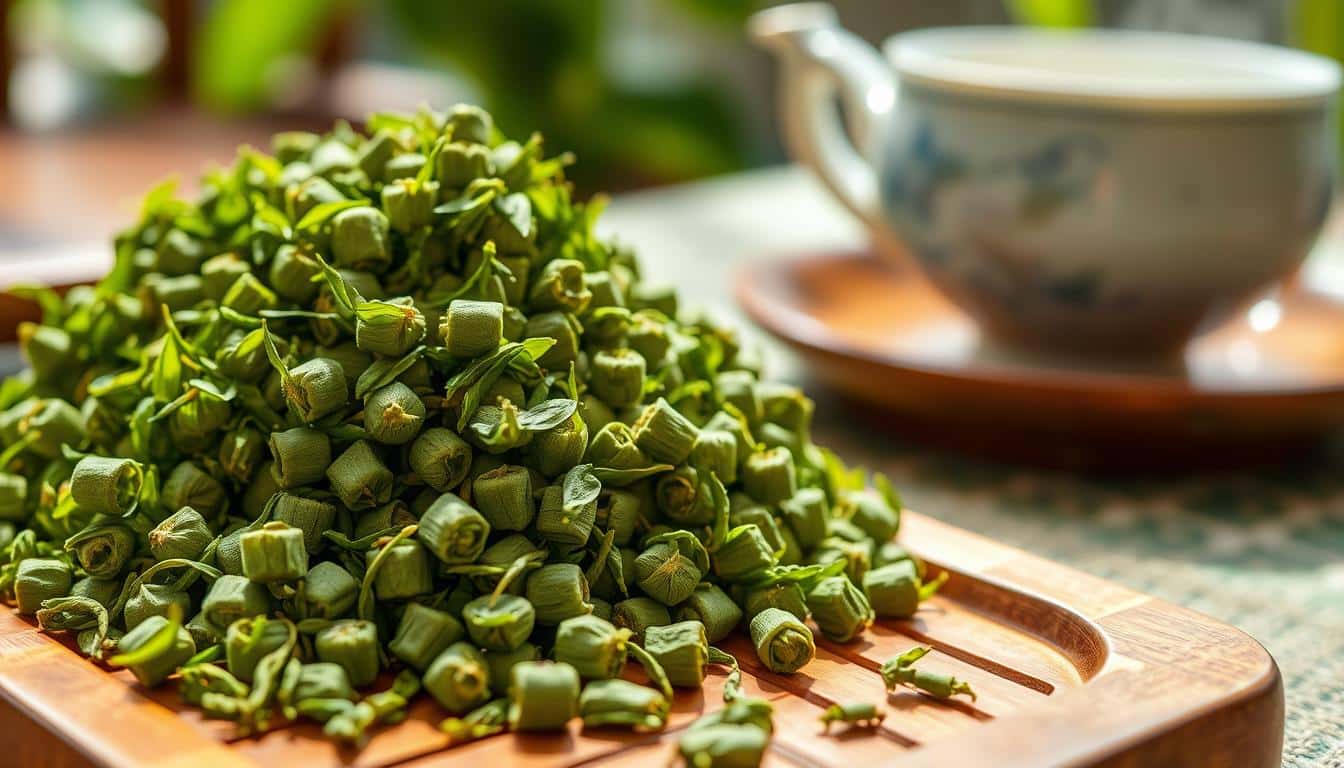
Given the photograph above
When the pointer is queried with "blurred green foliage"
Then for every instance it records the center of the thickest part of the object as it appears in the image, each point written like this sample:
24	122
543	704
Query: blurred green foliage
536	63
1053	13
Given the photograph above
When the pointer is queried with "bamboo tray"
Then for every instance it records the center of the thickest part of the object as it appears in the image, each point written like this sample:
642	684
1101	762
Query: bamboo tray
1071	670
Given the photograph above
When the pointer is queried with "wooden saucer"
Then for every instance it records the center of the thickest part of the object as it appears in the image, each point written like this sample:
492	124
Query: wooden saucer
1266	383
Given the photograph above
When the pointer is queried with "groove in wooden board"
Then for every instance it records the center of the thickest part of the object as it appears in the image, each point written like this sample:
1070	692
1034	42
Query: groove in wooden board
970	635
830	679
1000	689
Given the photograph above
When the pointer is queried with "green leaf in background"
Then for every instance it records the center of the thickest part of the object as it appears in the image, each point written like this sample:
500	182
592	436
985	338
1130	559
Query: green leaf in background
241	42
1318	26
1053	13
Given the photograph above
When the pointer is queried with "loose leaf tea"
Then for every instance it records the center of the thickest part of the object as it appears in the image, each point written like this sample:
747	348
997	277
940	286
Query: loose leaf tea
386	405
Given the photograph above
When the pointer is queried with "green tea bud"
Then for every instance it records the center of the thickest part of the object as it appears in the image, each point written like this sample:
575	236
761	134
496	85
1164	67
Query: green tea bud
458	678
389	328
664	434
153	600
744	552
840	609
248	640
242	356
618	512
684	498
153	671
543	696
501	664
183	534
47	349
895	590
315	388
769	476
308	515
595	648
323	680
622	703
275	552
460	163
374	153
410	203
13	497
713	608
856	554
553	451
52	423
723	746
102	591
670	566
180	254
405	572
423	634
471	329
682	649
452	530
614	447
560	525
558	591
38	579
232	598
332	156
302	456
715	451
502	624
469	123
759	516
103	548
360	478
560	286
352	645
783	643
241	452
289	146
504	497
561	327
786	596
637	614
440	458
249	295
291	274
404	166
806	512
868	510
329	591
393	414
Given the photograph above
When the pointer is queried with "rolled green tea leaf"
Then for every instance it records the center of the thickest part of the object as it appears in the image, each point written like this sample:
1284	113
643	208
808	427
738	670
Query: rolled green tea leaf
870	511
440	458
622	703
504	497
499	624
618	512
405	571
241	453
557	592
896	590
564	523
353	645
359	238
315	389
38	579
323	680
301	456
190	486
713	608
592	646
103	548
783	643
543	696
360	478
249	640
458	678
13	497
147	600
423	633
683	497
806	512
104	486
683	651
664	434
618	377
232	598
472	328
452	530
840	609
501	664
275	552
670	566
856	555
637	614
311	516
769	476
183	534
171	647
723	746
743	552
553	451
103	590
715	451
329	591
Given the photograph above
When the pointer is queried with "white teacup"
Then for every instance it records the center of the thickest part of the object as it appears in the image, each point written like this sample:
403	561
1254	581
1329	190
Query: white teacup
1101	192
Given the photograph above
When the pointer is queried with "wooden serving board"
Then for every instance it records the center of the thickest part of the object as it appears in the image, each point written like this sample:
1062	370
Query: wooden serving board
1070	670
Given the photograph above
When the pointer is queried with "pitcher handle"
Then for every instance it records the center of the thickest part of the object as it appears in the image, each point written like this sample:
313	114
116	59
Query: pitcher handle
818	59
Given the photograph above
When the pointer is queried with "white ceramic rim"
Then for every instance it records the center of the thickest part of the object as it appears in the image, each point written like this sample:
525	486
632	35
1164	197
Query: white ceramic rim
1277	77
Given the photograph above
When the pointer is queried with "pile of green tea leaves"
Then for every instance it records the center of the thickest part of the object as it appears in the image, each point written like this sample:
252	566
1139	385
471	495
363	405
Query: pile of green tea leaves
381	414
